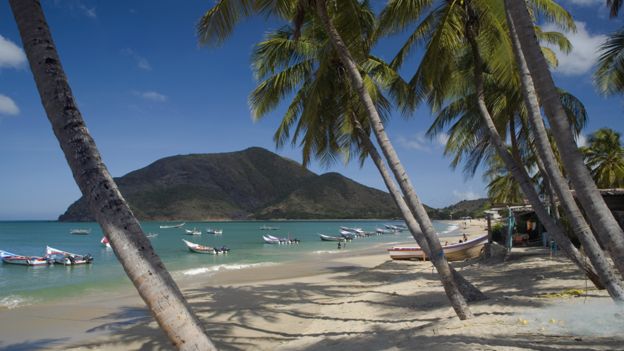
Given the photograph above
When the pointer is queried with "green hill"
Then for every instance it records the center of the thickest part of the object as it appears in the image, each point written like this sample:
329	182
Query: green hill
250	184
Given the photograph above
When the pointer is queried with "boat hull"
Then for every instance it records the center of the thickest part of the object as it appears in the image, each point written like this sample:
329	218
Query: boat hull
455	252
26	260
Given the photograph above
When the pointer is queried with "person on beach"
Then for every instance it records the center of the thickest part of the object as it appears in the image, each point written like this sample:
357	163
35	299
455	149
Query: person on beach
465	237
339	246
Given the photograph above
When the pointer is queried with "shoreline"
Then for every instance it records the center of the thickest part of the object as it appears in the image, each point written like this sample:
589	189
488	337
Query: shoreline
360	301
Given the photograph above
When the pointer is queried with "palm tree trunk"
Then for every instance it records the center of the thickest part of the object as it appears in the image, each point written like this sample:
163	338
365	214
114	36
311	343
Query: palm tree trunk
470	292
601	218
580	227
133	249
519	173
437	258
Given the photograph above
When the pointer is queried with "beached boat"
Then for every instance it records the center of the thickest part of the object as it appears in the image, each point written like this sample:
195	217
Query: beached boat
78	231
105	242
331	238
193	231
214	231
202	249
172	226
454	252
12	258
67	258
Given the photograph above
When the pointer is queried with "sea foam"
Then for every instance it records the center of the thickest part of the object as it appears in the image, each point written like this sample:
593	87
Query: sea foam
225	267
14	301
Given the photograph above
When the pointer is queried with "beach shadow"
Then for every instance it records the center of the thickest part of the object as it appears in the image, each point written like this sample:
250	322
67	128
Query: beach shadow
32	345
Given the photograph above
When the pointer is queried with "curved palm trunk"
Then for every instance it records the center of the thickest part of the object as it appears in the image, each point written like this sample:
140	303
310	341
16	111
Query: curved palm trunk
470	292
601	218
580	227
142	265
437	258
519	173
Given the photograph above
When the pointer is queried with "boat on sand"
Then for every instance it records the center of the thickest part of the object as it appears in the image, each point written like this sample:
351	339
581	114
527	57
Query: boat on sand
453	252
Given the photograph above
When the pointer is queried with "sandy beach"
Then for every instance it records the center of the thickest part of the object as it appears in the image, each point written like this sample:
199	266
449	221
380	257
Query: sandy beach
344	301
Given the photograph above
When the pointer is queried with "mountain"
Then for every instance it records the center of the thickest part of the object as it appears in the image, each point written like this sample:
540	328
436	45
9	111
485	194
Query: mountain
250	184
472	208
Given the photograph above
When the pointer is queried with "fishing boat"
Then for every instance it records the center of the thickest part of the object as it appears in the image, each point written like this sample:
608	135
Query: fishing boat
79	231
331	238
214	231
454	252
12	258
172	226
105	242
197	248
67	258
385	231
193	231
269	239
348	235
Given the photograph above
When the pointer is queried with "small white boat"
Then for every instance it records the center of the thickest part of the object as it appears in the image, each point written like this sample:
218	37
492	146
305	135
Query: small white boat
80	231
214	231
172	226
385	231
267	227
331	238
193	231
105	242
12	258
151	235
454	252
202	249
67	258
348	235
269	239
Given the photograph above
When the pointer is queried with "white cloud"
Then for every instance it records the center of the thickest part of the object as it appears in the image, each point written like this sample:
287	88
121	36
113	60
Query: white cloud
11	55
581	140
465	195
141	61
89	12
586	2
442	139
8	106
152	96
584	52
419	141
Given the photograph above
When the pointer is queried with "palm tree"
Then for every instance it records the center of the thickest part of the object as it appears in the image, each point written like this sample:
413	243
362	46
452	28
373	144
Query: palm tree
609	75
325	111
217	23
133	249
604	156
502	186
437	80
601	218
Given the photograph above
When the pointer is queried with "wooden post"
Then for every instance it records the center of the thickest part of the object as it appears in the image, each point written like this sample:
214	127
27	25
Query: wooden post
489	227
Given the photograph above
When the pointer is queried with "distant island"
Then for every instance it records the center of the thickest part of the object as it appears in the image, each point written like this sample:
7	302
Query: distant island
250	184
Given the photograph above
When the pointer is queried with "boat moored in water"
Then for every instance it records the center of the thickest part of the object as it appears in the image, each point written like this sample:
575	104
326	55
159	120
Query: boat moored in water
202	249
172	226
80	231
67	258
12	258
193	231
214	231
331	238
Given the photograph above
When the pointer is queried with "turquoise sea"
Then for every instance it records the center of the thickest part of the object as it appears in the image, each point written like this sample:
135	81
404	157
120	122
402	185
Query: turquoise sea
21	285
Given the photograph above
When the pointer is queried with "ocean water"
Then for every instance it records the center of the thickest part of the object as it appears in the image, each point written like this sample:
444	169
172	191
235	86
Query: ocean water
22	285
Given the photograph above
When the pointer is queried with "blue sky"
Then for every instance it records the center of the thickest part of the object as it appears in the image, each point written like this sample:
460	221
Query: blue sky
147	90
